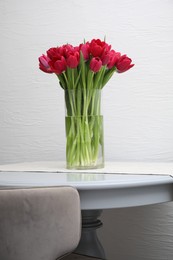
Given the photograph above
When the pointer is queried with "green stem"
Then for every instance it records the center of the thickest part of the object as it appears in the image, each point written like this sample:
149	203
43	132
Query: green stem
83	121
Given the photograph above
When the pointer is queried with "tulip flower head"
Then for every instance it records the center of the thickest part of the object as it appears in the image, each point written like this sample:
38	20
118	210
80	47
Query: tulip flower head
73	64
44	64
85	49
73	60
123	64
95	64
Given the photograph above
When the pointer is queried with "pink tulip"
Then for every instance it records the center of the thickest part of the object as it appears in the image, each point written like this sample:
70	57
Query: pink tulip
58	66
105	57
97	47
114	57
73	60
85	49
44	64
95	64
123	64
68	48
53	53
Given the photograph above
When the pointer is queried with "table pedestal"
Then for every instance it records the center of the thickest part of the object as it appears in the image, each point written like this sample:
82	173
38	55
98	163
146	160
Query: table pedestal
89	243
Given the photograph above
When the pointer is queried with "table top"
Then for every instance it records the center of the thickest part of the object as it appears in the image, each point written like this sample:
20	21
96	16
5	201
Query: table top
158	168
82	181
97	190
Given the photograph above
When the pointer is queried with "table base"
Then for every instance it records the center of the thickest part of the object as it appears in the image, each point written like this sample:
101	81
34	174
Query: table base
89	243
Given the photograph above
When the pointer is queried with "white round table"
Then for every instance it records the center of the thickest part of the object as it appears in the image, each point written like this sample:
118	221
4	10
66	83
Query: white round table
97	191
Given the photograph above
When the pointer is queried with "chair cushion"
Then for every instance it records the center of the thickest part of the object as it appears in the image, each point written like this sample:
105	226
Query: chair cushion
39	223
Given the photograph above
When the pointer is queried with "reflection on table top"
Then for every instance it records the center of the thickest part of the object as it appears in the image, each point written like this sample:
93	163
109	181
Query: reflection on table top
80	180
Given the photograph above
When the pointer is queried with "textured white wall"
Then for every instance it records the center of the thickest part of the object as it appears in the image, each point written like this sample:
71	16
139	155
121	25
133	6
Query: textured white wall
138	105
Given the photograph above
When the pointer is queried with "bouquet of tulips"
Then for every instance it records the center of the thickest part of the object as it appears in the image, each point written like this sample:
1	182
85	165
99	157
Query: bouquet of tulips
83	71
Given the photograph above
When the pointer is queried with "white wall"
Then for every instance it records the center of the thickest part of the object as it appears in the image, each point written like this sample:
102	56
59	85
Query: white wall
138	105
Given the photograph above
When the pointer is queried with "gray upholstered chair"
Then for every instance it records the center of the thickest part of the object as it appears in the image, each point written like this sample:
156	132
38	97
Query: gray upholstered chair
74	256
39	223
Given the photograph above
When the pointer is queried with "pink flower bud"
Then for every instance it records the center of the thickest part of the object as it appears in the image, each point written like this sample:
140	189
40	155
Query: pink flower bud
44	64
114	57
95	64
124	64
73	60
85	49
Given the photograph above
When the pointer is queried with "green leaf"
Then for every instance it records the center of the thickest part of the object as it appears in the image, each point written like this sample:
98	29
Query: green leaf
82	66
62	81
78	74
90	79
69	77
97	80
108	76
65	79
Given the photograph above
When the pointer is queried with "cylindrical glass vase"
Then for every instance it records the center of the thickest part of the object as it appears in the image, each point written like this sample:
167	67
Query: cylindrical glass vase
84	129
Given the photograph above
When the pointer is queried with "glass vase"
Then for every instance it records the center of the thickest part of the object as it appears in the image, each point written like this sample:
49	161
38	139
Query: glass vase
84	129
